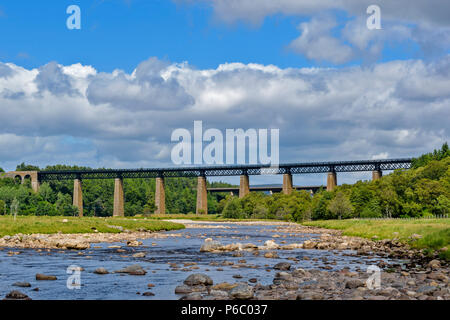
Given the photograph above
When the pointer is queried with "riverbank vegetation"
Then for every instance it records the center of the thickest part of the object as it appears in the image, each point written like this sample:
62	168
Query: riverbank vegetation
49	225
422	191
432	234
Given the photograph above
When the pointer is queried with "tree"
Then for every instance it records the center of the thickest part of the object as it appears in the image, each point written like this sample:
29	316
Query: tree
46	192
45	208
27	167
1	169
2	207
233	209
340	206
372	210
443	205
424	159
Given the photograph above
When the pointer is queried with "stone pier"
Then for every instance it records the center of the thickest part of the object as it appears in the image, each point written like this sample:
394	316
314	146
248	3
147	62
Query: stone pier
377	174
287	183
331	181
244	186
202	196
118	198
78	196
160	196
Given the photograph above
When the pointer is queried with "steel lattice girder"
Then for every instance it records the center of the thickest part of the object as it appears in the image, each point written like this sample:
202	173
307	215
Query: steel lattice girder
237	170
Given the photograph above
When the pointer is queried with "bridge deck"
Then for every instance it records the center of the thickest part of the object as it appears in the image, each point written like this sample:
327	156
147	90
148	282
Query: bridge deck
236	170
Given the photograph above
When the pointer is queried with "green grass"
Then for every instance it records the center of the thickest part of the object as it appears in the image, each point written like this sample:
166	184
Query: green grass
435	232
47	225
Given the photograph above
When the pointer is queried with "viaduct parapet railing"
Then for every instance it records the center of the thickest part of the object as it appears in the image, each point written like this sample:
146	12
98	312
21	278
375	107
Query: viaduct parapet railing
244	171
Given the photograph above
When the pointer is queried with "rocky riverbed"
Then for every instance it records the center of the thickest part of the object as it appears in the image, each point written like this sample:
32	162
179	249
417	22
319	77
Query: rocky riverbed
244	260
314	284
79	241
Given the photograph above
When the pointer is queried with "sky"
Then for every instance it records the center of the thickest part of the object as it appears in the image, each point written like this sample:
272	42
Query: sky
111	93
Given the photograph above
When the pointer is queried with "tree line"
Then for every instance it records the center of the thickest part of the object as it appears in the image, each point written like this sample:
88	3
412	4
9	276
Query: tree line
423	190
55	197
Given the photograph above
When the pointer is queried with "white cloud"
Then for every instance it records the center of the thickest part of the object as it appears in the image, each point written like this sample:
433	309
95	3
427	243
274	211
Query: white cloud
435	12
316	43
399	108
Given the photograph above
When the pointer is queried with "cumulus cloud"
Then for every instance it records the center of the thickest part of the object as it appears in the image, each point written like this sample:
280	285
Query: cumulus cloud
316	43
398	108
145	89
435	12
51	78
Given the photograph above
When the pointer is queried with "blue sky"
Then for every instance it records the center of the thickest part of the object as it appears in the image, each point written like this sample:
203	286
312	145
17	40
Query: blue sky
362	94
121	34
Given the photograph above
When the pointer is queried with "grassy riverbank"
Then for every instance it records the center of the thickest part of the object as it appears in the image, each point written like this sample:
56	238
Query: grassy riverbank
435	233
55	224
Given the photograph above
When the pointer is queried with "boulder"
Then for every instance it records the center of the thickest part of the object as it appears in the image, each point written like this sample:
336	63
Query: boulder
270	255
309	244
192	296
183	289
139	255
101	271
242	292
17	295
43	277
22	284
224	286
198	279
134	243
282	266
270	244
210	245
434	264
135	270
354	283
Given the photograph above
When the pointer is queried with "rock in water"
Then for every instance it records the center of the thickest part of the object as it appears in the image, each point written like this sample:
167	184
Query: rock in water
101	271
139	255
17	295
135	270
270	244
134	243
210	245
198	279
22	284
40	276
242	292
282	266
183	289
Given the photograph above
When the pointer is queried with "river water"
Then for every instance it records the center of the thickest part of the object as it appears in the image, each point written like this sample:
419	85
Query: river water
181	248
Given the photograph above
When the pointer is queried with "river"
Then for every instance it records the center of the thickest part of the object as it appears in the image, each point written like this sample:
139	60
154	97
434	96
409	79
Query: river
180	247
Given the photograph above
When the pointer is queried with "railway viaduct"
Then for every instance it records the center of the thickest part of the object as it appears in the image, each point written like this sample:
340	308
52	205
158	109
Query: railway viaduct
244	171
